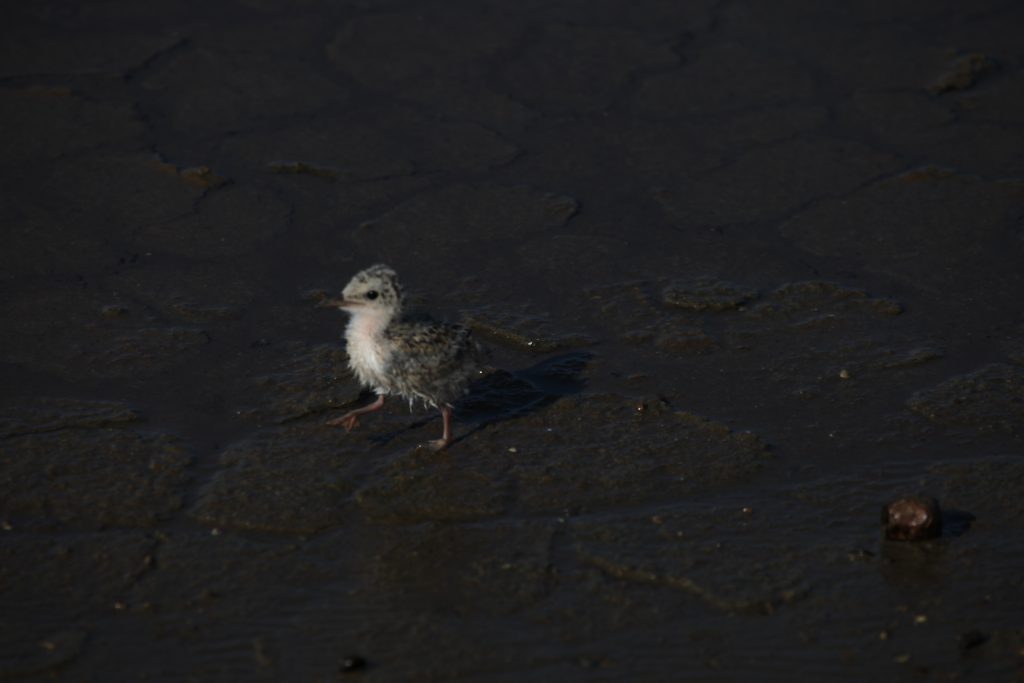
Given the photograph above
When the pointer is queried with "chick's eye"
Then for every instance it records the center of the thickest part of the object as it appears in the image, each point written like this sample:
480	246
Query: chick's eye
372	294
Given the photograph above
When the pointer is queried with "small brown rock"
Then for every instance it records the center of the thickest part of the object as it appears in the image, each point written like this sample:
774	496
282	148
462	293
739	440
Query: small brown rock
914	518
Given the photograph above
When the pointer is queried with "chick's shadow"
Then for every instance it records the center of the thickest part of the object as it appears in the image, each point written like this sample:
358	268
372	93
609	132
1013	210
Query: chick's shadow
502	395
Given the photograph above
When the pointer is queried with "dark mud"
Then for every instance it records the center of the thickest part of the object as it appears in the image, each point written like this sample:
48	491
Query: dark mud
748	272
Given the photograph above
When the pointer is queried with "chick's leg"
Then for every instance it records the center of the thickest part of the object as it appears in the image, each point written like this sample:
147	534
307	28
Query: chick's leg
350	419
446	437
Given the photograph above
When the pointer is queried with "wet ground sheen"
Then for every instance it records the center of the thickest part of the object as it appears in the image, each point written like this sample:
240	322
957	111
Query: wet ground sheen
747	271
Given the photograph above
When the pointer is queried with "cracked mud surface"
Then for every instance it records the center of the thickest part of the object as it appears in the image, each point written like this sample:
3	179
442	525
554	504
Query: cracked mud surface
747	272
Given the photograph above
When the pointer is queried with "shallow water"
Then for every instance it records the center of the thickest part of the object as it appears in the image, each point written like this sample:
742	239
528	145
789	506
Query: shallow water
747	272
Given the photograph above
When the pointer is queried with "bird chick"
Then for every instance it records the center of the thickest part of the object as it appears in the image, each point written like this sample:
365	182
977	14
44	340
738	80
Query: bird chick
419	360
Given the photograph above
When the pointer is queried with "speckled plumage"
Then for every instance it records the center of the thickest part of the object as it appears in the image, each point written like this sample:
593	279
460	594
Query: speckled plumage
419	360
430	361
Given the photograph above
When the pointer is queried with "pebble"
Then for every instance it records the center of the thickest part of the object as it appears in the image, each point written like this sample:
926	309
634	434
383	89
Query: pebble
914	518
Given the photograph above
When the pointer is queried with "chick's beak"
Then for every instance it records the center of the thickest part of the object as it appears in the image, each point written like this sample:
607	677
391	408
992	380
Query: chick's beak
338	303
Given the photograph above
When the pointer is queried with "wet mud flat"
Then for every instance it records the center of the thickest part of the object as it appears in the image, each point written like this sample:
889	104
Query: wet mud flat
748	272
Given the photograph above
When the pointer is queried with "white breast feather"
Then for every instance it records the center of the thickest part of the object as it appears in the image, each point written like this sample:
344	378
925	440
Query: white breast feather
367	353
